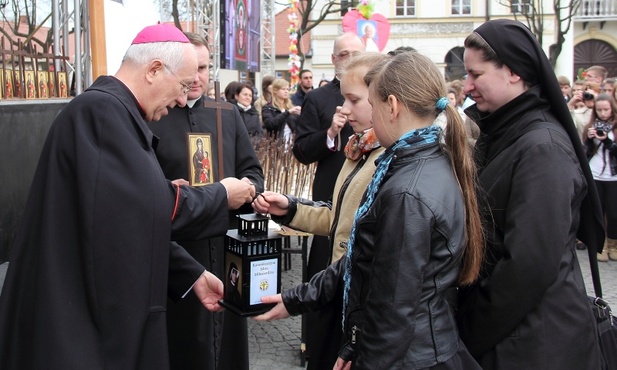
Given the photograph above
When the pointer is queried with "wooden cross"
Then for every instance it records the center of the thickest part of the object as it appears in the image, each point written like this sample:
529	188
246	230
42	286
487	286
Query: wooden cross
219	105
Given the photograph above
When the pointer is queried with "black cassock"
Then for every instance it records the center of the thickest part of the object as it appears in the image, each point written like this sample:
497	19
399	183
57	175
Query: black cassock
199	339
88	277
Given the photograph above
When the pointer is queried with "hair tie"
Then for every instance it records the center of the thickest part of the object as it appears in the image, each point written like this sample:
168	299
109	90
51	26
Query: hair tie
442	103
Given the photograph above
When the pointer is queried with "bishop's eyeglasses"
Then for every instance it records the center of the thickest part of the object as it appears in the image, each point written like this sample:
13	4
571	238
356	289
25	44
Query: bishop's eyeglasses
185	87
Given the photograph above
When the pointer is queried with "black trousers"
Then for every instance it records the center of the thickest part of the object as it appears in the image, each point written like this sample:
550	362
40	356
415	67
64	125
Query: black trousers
607	191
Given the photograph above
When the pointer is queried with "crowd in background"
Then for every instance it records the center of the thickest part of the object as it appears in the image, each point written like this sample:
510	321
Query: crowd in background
592	103
282	105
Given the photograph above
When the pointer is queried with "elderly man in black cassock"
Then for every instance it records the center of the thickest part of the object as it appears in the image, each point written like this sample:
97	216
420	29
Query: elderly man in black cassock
199	339
92	264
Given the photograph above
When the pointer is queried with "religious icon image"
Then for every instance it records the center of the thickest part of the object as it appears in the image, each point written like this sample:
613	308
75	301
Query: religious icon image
52	84
241	27
62	88
43	86
233	292
30	86
372	27
18	86
200	161
368	31
8	84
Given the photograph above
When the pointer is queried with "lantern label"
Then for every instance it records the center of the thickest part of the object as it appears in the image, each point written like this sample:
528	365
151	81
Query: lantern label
263	279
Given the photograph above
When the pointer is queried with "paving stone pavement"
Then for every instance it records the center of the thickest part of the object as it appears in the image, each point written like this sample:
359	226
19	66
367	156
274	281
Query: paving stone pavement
276	345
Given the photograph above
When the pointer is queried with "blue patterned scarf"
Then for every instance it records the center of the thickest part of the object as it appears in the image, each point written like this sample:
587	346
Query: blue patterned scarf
421	136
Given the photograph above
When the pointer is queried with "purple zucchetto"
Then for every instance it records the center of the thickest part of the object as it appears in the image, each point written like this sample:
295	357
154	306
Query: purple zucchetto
160	33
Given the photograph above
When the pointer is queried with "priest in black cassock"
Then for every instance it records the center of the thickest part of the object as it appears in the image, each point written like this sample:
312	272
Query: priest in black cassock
199	339
92	263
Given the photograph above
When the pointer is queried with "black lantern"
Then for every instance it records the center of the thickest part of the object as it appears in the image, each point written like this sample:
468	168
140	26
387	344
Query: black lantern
252	265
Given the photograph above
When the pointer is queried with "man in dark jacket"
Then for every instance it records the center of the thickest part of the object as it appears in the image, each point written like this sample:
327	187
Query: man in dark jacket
306	85
199	339
320	139
88	279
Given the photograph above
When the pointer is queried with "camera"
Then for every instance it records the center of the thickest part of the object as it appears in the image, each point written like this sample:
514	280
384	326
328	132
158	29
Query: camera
587	96
602	127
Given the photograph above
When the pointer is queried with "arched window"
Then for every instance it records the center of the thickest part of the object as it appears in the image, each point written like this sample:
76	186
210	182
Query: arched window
455	69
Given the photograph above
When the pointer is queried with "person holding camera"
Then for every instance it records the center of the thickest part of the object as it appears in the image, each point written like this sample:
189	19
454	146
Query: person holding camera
599	139
582	102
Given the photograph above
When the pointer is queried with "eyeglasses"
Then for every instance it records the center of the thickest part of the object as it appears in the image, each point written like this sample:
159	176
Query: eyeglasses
185	87
344	54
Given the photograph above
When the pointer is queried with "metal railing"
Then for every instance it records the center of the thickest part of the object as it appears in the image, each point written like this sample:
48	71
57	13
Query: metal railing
597	10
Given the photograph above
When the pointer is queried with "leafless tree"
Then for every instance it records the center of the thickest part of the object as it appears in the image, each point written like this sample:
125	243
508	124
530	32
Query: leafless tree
25	11
28	12
177	10
311	15
534	14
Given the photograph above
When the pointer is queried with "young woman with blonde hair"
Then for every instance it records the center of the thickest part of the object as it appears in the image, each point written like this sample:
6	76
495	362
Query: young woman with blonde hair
334	219
416	236
279	116
266	94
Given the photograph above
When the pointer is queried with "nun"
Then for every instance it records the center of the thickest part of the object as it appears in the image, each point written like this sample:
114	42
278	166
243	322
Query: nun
529	308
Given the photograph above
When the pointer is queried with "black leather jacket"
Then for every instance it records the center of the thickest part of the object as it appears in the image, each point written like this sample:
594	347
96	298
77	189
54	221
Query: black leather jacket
405	261
275	120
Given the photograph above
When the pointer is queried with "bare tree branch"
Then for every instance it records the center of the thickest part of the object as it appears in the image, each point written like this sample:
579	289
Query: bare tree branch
535	16
28	10
307	9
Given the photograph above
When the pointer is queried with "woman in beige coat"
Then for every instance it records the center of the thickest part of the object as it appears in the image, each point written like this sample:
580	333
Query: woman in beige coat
334	218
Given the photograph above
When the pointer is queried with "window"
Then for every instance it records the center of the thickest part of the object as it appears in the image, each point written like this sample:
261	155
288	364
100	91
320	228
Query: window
461	7
521	7
455	68
405	8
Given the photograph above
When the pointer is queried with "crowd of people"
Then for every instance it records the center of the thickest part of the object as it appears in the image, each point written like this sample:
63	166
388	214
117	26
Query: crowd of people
445	215
591	100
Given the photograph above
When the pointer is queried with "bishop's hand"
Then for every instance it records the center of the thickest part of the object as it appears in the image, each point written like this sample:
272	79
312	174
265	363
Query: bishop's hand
238	192
209	290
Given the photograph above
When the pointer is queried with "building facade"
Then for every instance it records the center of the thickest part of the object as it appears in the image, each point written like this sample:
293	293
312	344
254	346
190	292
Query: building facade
438	30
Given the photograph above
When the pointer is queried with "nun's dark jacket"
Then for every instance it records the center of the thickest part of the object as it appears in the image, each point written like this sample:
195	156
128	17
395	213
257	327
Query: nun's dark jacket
530	298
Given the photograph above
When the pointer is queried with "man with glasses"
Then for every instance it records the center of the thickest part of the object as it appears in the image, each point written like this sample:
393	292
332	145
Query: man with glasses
199	339
186	87
321	139
92	263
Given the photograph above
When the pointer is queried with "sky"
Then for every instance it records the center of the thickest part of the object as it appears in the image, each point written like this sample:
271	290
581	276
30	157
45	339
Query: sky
122	25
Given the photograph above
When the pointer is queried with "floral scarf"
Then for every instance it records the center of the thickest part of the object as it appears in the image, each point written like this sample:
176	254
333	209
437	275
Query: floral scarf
361	143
